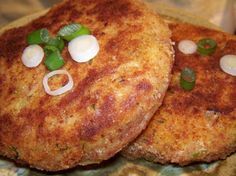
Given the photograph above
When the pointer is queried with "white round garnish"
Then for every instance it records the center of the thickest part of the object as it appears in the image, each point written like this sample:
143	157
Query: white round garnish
61	90
83	48
187	46
32	56
228	64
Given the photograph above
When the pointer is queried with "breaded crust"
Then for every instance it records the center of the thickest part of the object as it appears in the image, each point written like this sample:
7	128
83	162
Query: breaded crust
113	98
199	125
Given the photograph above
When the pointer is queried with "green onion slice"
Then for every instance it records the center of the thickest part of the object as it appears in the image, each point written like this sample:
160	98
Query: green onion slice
38	37
187	79
56	42
206	46
72	31
48	49
54	61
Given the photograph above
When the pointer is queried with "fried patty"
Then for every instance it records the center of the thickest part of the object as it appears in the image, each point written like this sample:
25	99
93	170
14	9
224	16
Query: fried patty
197	125
113	98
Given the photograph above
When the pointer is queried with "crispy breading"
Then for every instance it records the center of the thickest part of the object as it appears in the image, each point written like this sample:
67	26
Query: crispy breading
113	98
199	125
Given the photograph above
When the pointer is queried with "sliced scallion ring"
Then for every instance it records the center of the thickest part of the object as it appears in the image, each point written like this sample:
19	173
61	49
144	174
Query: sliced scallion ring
206	46
54	61
32	56
228	64
57	42
72	31
38	37
61	90
48	49
187	79
83	48
187	46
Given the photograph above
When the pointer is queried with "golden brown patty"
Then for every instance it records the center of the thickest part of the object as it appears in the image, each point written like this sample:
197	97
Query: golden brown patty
113	97
199	125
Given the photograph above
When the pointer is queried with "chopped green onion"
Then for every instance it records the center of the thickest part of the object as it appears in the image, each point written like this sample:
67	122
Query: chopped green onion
72	31
57	42
187	79
48	49
54	61
206	46
38	37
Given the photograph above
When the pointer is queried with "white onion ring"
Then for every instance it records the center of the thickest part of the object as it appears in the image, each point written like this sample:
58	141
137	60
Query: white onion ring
187	46
228	64
32	56
61	90
83	48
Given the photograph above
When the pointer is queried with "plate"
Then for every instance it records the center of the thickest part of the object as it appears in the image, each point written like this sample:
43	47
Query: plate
118	165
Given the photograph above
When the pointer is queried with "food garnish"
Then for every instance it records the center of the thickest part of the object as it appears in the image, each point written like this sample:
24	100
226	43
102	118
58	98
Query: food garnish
83	48
206	46
228	64
49	50
187	79
71	31
32	56
54	61
187	46
56	42
61	90
38	37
